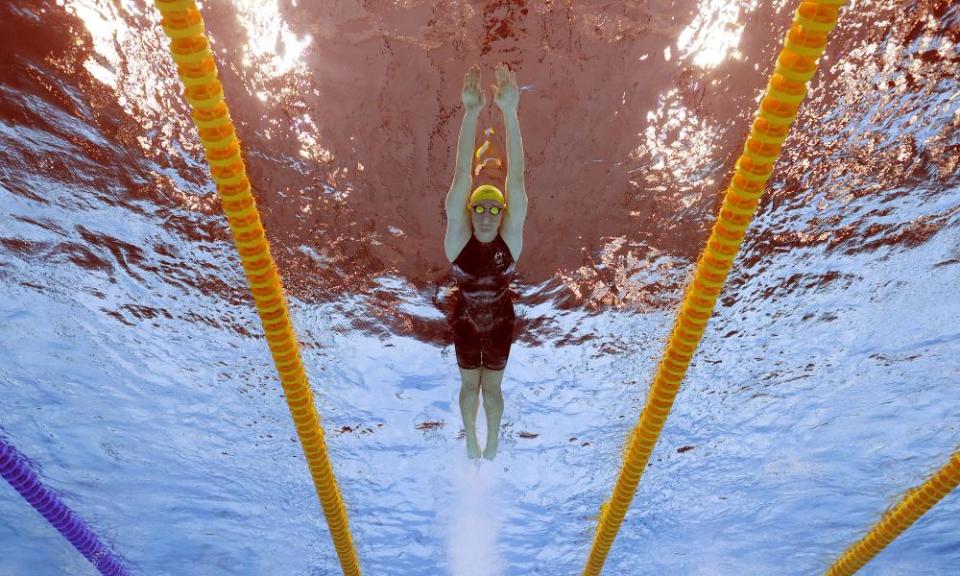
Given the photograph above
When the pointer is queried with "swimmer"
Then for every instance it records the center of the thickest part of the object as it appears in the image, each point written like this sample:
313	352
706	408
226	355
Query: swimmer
483	241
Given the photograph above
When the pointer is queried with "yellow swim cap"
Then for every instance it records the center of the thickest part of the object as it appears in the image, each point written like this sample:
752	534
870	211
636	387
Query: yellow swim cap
487	192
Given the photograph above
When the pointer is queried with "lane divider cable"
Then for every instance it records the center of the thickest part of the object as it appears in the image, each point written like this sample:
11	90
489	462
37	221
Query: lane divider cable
197	69
796	65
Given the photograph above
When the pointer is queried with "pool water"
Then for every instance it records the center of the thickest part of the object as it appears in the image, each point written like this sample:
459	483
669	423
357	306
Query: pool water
137	383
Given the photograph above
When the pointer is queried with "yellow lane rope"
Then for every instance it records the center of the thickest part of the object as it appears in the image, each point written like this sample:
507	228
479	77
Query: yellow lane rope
914	505
796	65
197	69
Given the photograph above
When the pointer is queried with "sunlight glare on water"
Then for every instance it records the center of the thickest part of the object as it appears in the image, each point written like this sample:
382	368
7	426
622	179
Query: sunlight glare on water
715	32
124	58
272	48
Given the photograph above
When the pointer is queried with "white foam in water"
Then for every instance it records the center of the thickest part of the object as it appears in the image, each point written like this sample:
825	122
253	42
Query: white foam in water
475	519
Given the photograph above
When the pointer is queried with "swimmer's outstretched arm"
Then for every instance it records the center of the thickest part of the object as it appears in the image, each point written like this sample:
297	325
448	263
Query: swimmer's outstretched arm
507	97
473	102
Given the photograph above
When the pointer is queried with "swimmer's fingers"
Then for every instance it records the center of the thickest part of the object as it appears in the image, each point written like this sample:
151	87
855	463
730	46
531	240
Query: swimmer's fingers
473	96
502	74
509	77
506	92
476	77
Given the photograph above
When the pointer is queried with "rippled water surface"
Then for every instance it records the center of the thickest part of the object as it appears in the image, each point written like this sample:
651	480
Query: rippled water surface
136	380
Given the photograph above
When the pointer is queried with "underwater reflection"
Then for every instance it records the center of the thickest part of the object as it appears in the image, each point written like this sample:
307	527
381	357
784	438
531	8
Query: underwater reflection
345	112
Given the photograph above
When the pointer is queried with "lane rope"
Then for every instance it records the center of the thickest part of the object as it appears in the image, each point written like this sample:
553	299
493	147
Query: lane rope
911	507
197	69
17	472
797	63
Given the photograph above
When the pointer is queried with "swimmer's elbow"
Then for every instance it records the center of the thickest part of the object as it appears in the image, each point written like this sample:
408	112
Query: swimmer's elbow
516	188
515	174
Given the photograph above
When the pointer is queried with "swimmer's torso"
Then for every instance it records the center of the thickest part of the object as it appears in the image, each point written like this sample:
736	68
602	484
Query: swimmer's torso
483	273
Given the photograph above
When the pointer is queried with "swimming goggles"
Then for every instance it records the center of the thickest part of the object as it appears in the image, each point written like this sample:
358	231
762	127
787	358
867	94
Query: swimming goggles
480	209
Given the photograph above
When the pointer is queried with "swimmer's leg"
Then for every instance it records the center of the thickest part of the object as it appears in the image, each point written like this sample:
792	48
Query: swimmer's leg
469	404
490	381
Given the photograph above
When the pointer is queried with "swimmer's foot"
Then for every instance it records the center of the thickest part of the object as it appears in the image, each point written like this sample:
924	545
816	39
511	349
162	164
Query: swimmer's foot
490	452
473	447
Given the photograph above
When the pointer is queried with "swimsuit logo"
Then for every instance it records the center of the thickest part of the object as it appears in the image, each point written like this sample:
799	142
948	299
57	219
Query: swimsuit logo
498	258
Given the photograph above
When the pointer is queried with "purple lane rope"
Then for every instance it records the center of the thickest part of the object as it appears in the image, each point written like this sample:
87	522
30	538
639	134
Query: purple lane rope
16	471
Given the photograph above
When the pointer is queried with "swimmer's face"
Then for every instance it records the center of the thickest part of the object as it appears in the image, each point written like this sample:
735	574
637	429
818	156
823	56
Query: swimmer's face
484	219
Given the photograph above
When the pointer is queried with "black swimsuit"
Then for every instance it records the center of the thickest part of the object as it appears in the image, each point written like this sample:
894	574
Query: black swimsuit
483	318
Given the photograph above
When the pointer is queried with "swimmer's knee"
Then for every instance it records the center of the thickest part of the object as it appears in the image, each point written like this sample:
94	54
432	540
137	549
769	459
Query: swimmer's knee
470	377
491	378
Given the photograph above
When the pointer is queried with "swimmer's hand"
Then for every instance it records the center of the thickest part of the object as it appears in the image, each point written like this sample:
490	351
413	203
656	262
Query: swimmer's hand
473	97
505	92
